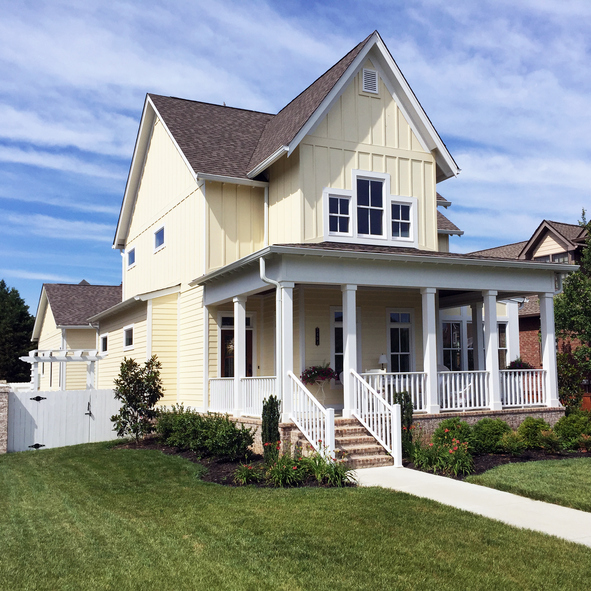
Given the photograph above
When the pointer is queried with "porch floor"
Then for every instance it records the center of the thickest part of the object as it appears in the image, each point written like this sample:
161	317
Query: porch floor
569	524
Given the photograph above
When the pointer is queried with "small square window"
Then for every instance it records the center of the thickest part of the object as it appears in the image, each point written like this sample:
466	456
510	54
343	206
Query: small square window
400	220
159	239
128	337
131	258
338	218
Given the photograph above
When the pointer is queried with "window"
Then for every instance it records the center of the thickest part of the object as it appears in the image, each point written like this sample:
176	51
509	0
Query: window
502	330
561	257
104	341
544	259
400	220
399	340
370	207
226	345
131	258
338	354
159	239
339	214
452	345
127	338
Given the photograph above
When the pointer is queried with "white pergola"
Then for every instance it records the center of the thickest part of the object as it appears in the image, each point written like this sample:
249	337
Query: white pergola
37	356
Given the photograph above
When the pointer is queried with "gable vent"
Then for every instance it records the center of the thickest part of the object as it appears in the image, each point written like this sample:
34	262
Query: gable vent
370	81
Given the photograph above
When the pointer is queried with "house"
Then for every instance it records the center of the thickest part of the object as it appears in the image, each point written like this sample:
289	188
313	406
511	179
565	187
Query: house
257	245
61	324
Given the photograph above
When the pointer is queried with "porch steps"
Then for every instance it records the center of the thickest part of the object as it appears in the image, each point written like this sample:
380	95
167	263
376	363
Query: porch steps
361	448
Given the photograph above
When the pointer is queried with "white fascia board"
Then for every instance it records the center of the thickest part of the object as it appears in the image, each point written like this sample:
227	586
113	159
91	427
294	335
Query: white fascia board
41	309
230	179
159	293
268	161
451	232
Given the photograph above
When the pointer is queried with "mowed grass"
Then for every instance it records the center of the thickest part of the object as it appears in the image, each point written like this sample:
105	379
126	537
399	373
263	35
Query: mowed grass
563	482
91	517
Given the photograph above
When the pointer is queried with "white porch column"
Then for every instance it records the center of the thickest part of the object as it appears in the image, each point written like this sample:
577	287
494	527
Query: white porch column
349	345
239	352
286	344
492	348
477	336
549	348
205	405
430	347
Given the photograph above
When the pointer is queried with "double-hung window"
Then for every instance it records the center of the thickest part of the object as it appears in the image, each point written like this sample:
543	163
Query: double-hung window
370	207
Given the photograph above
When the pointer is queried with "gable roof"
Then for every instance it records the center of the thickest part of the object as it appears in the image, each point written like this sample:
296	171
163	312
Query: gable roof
568	235
72	305
445	226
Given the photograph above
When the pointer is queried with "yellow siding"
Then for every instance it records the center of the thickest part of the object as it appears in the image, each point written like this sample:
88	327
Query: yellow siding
364	132
548	246
50	338
81	338
167	195
108	368
164	343
235	222
190	389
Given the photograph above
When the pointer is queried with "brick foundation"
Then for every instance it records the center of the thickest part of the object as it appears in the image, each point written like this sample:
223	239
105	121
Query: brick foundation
4	390
290	434
514	417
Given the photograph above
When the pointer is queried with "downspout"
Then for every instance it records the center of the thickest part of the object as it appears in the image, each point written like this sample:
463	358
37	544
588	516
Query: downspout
278	322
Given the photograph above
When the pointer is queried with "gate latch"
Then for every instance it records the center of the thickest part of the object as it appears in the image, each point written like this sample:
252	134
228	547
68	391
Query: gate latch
88	411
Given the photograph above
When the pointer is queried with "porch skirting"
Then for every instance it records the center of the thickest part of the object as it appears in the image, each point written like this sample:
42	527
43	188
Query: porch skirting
514	417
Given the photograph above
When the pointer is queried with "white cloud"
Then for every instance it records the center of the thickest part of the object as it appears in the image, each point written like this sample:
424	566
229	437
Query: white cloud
49	277
64	203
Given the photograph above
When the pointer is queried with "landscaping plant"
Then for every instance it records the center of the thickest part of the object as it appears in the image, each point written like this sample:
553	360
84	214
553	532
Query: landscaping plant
487	434
550	442
270	429
531	431
452	428
512	443
451	458
138	388
570	428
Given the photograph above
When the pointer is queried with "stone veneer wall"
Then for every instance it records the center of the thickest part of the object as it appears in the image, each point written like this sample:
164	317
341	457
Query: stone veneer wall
4	390
290	434
514	417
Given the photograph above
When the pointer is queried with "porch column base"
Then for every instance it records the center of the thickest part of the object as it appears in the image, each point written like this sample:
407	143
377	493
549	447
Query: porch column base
433	409
347	413
496	405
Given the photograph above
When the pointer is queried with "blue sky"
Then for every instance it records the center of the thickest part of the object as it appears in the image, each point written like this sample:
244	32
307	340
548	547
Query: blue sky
507	85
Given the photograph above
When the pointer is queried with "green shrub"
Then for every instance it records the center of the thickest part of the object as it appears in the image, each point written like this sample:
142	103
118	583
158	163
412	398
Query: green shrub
182	428
270	429
225	439
570	428
286	471
584	443
512	443
486	435
453	458
327	471
531	431
248	474
452	428
550	442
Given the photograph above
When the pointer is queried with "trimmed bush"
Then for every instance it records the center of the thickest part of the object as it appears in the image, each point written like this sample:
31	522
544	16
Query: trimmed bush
570	428
512	443
531	431
452	428
549	442
487	434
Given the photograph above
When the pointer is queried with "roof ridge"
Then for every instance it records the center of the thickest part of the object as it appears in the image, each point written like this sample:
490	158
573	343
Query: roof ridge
180	98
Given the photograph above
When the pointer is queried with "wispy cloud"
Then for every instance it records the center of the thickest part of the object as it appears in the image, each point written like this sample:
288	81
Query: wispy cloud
48	277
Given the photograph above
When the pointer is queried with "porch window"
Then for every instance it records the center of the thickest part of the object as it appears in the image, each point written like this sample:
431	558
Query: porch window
226	346
370	207
339	216
399	344
502	331
470	346
452	345
338	353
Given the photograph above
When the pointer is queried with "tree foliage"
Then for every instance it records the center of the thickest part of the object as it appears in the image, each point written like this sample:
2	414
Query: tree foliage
139	389
16	327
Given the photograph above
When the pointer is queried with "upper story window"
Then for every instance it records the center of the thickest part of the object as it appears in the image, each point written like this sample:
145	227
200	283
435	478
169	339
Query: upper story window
543	259
159	239
130	258
104	343
561	257
369	214
128	337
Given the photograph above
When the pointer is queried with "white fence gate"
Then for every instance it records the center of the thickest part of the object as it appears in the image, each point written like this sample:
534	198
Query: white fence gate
60	418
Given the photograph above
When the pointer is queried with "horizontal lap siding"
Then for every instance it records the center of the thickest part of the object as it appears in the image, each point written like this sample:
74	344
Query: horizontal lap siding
165	343
76	373
548	246
190	391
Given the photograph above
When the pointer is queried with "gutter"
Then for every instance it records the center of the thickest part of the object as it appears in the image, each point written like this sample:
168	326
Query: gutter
268	161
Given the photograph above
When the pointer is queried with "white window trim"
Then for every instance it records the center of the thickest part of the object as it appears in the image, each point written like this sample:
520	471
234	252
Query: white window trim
252	327
411	325
126	328
100	347
163	245
134	258
386	238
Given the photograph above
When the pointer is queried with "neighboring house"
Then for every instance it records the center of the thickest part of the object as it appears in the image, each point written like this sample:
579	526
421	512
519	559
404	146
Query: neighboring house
551	242
256	245
62	324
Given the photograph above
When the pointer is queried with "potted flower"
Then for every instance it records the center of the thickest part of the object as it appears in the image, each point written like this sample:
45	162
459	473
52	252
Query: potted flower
318	374
519	364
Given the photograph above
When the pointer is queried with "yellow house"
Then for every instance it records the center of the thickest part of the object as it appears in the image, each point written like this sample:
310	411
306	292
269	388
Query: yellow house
255	246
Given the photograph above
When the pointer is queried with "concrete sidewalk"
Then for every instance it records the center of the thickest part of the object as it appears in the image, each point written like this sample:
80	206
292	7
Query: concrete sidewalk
570	524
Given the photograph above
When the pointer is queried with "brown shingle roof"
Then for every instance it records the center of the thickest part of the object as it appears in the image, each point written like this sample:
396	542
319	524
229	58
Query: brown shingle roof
571	232
531	307
507	251
72	305
287	123
444	224
214	139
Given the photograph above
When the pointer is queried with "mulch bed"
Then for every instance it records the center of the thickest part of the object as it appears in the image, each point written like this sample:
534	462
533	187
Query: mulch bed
222	471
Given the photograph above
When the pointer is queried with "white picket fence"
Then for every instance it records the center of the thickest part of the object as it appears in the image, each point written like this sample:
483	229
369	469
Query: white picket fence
60	418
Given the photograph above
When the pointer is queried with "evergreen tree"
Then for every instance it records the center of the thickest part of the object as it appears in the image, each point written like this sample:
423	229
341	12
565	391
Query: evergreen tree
16	328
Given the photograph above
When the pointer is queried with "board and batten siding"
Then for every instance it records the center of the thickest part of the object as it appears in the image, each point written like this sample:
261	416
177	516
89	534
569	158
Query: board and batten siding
78	339
50	339
363	132
108	368
167	196
165	342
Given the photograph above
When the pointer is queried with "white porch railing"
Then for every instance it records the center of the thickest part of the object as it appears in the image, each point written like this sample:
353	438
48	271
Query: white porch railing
381	419
254	391
463	390
523	387
310	417
389	384
221	395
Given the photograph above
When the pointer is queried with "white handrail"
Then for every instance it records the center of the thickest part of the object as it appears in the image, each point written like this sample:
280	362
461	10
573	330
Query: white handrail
523	387
221	394
254	391
381	419
389	384
311	418
463	390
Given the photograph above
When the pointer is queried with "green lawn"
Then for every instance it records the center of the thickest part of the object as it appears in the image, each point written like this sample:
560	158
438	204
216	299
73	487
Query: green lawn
90	517
564	482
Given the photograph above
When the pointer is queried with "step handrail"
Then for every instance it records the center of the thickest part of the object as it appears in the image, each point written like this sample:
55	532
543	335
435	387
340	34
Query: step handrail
381	419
